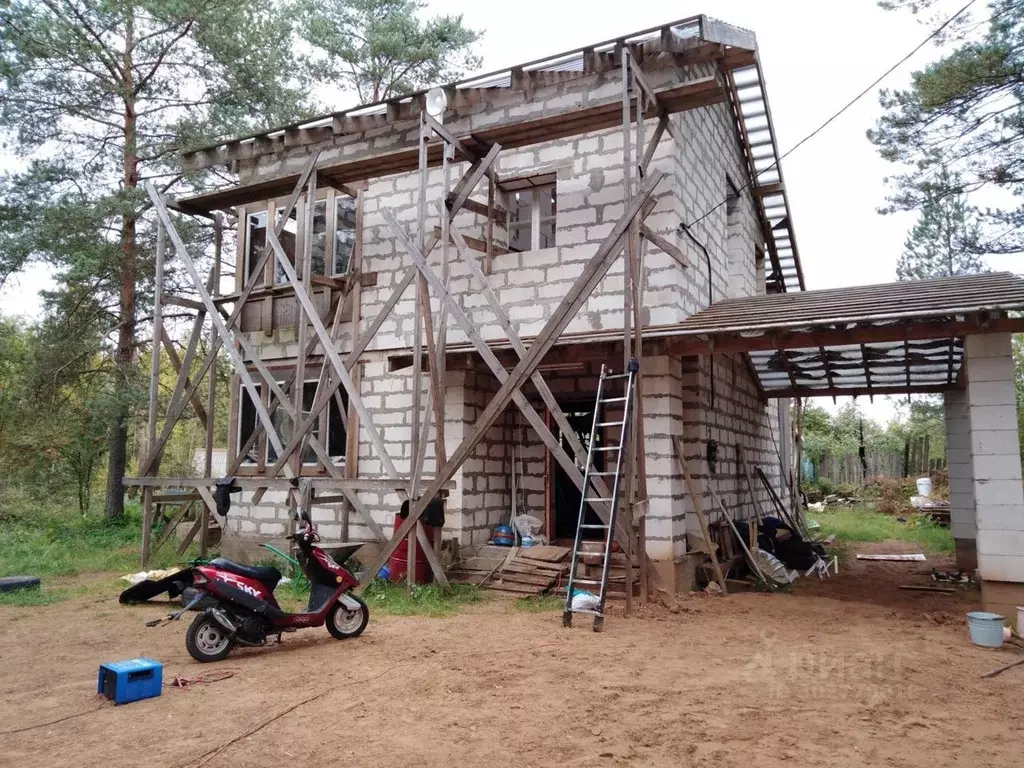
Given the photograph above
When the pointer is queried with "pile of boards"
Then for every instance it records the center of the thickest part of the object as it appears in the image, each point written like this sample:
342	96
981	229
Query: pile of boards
520	570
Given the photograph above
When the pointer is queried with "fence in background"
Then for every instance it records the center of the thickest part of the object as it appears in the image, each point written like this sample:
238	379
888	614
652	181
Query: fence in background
914	461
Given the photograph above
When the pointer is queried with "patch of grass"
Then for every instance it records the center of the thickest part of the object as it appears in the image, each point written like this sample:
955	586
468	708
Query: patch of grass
852	524
426	599
539	604
62	543
386	599
33	596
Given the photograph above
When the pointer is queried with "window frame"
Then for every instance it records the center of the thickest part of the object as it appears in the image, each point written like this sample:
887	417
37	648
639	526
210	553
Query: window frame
535	184
271	209
263	447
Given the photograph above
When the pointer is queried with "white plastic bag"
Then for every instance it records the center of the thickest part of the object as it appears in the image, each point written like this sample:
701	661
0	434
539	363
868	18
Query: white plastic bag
585	601
527	525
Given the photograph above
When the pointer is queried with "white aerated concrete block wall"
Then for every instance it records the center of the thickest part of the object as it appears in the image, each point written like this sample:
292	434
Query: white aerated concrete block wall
530	286
995	455
960	465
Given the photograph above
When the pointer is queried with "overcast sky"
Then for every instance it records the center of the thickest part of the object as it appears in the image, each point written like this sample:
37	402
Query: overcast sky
815	55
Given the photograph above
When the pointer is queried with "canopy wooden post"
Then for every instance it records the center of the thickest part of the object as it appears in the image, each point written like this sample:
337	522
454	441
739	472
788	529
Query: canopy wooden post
154	387
698	507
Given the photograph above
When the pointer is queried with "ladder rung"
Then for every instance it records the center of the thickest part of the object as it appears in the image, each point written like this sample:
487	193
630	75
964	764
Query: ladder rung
613	400
597	498
585	581
610	423
586	610
609	448
602	474
594	525
617	376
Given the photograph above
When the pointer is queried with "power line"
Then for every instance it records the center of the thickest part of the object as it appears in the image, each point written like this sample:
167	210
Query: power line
935	33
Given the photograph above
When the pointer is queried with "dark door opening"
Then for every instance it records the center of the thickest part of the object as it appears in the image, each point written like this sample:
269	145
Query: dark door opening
565	496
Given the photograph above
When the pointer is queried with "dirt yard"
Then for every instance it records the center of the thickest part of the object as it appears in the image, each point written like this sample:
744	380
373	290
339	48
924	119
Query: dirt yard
852	672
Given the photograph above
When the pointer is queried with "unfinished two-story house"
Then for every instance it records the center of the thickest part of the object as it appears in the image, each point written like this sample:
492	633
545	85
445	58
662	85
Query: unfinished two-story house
508	184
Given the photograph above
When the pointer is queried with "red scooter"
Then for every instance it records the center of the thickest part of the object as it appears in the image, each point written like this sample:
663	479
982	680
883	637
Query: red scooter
244	611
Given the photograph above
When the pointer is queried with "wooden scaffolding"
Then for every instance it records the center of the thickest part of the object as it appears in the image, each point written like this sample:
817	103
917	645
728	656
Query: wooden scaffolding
318	326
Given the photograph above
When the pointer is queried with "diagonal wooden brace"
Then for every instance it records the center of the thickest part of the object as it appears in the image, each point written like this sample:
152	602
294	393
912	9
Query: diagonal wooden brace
593	272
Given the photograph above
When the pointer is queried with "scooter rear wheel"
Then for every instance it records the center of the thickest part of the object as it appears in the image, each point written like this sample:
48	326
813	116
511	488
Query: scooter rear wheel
206	640
343	623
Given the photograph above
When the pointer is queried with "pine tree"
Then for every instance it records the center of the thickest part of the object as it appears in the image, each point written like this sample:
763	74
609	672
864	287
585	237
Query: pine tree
381	48
963	112
101	96
943	242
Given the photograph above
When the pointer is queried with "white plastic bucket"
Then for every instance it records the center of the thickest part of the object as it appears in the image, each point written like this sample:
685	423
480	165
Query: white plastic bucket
924	486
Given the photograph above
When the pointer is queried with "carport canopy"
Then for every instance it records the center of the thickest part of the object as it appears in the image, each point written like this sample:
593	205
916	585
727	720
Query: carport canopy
892	338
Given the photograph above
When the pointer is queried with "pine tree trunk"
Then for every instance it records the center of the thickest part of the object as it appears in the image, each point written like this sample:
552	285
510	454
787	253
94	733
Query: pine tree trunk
117	456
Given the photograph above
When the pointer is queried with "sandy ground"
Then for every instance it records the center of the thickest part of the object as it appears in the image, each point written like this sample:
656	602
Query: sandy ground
851	672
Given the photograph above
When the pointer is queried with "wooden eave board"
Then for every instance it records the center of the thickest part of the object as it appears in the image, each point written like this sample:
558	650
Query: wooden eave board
596	117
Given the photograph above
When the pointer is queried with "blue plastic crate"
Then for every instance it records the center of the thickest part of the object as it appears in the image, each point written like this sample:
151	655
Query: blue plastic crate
131	680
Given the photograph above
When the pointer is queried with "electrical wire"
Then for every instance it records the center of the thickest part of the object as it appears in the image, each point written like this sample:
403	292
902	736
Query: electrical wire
53	722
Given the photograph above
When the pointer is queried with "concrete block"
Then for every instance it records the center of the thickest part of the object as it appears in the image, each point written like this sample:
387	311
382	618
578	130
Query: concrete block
995	517
1001	567
993	417
984	369
1001	543
992	392
994	443
999	468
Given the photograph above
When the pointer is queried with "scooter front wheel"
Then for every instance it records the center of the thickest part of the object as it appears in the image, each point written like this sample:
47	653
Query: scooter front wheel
206	640
343	622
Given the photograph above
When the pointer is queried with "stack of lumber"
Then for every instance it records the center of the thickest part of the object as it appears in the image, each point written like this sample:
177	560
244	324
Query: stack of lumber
522	571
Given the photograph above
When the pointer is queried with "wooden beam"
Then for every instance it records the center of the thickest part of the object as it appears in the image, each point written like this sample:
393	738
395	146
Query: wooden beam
698	507
477	244
172	355
465	186
279	484
547	396
733	341
660	242
867	370
918	389
592	273
574	121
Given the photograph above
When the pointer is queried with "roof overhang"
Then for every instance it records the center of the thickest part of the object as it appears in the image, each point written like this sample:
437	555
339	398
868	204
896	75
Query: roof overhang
892	338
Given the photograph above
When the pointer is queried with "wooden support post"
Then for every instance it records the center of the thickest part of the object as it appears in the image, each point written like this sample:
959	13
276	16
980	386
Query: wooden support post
591	274
211	390
154	387
698	507
489	257
417	327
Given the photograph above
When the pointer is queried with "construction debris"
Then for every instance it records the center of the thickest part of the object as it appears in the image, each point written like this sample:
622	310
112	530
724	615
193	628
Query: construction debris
917	557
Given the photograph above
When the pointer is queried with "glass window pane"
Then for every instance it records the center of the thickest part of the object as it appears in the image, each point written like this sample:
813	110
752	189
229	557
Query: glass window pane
520	214
257	241
336	428
547	233
344	234
546	200
287	238
319	245
247	425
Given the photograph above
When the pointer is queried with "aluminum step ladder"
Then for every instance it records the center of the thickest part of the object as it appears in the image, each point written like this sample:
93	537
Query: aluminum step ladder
614	457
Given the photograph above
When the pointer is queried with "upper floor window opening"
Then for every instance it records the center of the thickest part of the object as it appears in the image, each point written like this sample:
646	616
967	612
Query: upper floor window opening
333	237
532	212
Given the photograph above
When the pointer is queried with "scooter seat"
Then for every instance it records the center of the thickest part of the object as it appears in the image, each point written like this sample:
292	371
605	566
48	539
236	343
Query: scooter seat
269	575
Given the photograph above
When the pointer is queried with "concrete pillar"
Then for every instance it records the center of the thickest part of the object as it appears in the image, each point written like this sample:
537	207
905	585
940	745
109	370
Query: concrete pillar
960	469
663	416
995	457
